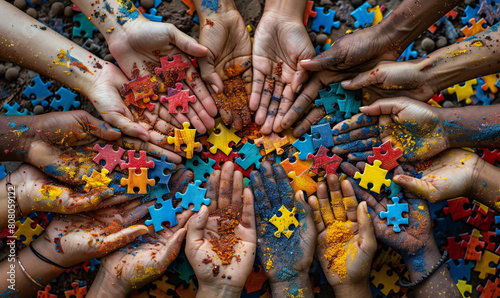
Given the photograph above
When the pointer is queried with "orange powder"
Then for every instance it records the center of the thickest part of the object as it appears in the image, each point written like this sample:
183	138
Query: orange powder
336	252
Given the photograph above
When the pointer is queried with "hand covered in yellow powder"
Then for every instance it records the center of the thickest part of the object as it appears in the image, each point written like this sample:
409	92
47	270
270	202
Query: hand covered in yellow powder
221	239
346	240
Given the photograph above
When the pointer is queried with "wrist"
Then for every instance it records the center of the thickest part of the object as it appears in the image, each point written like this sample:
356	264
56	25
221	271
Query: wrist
346	289
224	6
421	261
107	285
19	131
284	9
220	290
300	281
22	193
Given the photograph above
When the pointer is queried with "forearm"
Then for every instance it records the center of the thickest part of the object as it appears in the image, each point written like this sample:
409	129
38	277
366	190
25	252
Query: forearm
290	8
411	18
486	185
213	8
218	291
15	133
299	286
353	290
106	286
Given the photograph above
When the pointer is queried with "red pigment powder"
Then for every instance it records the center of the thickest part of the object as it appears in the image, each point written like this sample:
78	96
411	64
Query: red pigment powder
229	219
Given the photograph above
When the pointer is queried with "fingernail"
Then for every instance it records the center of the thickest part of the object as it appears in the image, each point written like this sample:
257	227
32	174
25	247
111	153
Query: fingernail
216	90
306	60
299	88
345	83
144	137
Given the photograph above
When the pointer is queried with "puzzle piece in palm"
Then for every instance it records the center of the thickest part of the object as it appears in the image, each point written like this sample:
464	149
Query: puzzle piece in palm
492	289
475	28
166	213
362	15
387	155
200	168
305	147
251	156
25	230
394	214
158	171
180	98
329	98
284	221
111	157
175	68
13	110
97	181
184	137
223	139
194	195
374	175
321	160
322	136
142	87
40	90
294	164
325	20
136	162
140	181
66	101
302	182
463	92
473	246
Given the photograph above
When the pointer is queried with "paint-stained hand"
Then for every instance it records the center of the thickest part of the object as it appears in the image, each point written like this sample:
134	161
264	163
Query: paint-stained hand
280	42
285	248
221	239
346	240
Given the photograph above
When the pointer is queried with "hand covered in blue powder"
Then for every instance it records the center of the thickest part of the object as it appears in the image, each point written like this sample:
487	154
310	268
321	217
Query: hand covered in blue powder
286	260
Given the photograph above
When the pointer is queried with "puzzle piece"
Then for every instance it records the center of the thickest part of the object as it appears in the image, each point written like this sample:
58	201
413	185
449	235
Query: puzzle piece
184	136
152	15
325	20
3	173
305	147
480	95
456	208
473	245
200	168
78	291
251	156
489	239
387	155
384	280
219	158
140	181
222	139
190	5
302	182
187	292
179	99
283	222
490	155
309	12
85	26
463	287
491	290
40	90
46	293
329	98
143	87
322	136
161	284
321	160
463	91
378	14
362	15
175	69
497	222
294	164
194	195
475	28
111	157
97	181
470	13
25	229
374	175
491	15
272	142
166	213
349	104
256	279
67	99
158	171
489	81
408	53
394	214
482	219
461	271
13	110
483	265
136	162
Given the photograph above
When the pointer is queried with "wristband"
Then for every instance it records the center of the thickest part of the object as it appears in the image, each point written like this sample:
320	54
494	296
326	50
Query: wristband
407	284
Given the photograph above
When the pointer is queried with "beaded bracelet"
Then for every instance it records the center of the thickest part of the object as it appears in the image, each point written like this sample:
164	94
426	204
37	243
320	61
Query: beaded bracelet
27	274
7	184
426	276
39	255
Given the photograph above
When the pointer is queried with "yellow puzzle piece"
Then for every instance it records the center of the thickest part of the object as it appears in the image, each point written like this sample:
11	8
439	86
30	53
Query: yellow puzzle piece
283	222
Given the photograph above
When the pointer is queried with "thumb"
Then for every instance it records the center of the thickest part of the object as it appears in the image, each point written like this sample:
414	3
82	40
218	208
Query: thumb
186	43
367	240
173	247
122	237
325	60
385	107
363	79
414	185
210	76
126	125
196	226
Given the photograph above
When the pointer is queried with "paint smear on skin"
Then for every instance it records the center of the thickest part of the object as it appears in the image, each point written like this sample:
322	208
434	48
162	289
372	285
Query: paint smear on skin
464	159
212	5
128	12
65	59
458	52
477	43
51	194
19	130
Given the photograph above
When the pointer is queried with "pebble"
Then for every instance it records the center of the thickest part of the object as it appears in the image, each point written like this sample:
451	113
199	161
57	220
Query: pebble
469	2
326	3
35	2
441	42
32	12
356	3
321	39
2	70
147	4
448	104
56	9
21	4
38	110
428	45
11	74
312	36
68	11
109	58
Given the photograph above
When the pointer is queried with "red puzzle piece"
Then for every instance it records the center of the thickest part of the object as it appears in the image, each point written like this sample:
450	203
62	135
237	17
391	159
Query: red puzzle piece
455	249
134	162
322	161
387	155
45	293
456	208
491	290
309	12
489	238
220	157
175	69
438	97
490	156
256	280
179	98
482	220
110	156
473	246
138	106
144	87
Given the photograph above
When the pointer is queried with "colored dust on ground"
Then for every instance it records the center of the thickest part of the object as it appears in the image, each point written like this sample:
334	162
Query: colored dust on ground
337	236
228	221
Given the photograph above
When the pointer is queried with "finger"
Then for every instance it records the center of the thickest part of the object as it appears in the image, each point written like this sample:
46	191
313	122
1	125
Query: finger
169	252
267	127
359	156
213	189
210	76
99	128
356	146
187	44
324	204
226	185
306	222
182	219
356	121
117	199
350	202
285	189
367	241
367	197
196	227
248	214
386	107
150	148
126	126
357	134
270	186
119	239
318	220
299	79
326	60
313	117
336	197
301	104
260	196
201	91
364	79
265	99
419	187
285	104
206	119
258	81
237	188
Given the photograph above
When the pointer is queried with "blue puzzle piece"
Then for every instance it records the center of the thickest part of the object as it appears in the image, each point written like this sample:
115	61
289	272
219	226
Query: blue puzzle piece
325	20
3	173
66	101
85	26
329	98
322	135
408	53
159	172
348	105
461	271
200	168
450	31
93	263
480	95
194	195
490	14
497	222
362	15
196	19
305	147
182	266
116	184
394	214
470	13
164	214
13	110
40	90
152	15
435	207
251	156
448	226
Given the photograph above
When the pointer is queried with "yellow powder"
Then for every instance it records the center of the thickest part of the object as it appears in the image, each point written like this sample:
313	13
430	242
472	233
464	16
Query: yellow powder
336	237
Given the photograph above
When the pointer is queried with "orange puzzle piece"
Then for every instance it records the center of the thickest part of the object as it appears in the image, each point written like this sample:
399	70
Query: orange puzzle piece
272	142
141	181
184	137
77	291
302	182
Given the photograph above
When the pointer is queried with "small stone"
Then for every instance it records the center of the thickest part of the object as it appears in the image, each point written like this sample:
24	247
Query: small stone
356	3
326	3
12	74
469	2
32	12
441	42
68	11
2	70
147	4
38	110
109	58
56	9
35	2
448	104
21	4
321	39
428	45
312	36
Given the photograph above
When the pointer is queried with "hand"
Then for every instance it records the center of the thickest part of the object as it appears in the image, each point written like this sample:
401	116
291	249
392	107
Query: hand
142	42
413	126
221	239
286	260
280	42
343	214
227	66
451	174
